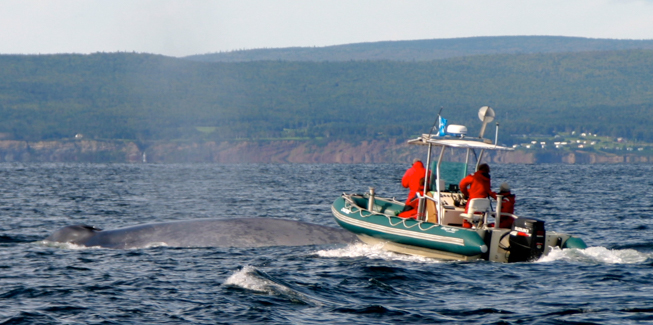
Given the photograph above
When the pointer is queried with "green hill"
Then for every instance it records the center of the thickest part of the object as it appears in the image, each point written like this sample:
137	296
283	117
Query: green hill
147	97
427	50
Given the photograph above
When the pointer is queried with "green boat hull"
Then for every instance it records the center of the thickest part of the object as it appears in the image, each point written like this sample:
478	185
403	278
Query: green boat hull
454	240
574	242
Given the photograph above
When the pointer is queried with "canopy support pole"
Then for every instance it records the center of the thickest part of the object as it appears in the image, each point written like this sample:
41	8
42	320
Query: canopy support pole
439	208
421	207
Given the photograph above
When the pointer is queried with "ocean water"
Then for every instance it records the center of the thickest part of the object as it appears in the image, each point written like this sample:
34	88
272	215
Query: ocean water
609	206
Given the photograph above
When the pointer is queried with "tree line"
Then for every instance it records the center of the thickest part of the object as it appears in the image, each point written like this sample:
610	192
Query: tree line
146	97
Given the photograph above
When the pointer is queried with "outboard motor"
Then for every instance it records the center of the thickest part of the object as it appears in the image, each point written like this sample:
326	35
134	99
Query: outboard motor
527	240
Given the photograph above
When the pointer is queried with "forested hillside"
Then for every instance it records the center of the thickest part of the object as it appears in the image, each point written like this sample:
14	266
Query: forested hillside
427	50
144	97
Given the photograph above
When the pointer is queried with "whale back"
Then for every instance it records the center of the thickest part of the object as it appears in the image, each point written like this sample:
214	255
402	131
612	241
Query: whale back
75	234
234	232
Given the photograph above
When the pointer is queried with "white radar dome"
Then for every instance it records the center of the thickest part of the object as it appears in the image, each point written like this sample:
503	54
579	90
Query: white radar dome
454	129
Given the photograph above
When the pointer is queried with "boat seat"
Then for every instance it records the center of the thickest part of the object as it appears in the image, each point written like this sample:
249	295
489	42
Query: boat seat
476	210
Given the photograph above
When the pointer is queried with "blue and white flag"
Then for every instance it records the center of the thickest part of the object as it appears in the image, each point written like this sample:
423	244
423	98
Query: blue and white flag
443	126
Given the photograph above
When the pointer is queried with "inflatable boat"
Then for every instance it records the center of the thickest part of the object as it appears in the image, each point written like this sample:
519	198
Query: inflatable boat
437	229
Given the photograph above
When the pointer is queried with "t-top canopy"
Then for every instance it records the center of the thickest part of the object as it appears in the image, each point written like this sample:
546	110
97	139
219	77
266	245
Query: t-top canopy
425	139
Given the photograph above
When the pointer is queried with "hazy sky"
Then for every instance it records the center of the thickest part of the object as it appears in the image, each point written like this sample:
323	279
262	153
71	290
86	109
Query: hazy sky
179	28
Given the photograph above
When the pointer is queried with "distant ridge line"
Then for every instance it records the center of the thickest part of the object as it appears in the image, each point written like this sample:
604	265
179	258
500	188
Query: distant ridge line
428	50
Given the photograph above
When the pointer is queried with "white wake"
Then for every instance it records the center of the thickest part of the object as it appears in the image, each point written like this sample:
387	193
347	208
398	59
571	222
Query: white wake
596	255
588	255
373	252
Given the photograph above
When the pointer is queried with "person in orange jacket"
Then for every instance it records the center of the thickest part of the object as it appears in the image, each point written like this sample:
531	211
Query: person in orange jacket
476	186
507	205
413	180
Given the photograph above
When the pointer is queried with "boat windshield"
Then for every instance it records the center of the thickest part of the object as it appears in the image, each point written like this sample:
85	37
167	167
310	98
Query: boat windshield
451	173
452	169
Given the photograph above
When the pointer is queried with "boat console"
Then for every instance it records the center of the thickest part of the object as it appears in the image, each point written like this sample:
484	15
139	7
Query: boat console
453	204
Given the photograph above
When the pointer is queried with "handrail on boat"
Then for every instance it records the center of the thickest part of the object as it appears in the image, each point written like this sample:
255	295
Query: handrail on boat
360	210
486	214
350	203
504	214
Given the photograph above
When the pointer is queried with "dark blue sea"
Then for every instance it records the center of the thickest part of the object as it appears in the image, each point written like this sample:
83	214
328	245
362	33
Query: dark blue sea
609	206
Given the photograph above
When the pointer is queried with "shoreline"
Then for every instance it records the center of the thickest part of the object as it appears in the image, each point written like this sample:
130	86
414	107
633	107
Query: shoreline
283	151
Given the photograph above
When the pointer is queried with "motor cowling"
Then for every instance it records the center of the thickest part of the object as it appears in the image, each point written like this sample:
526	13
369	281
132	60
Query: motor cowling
527	240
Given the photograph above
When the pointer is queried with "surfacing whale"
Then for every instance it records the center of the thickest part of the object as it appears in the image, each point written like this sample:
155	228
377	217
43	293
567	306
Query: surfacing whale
236	232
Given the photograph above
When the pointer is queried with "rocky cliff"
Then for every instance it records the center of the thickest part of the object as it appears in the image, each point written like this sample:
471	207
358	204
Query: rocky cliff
339	151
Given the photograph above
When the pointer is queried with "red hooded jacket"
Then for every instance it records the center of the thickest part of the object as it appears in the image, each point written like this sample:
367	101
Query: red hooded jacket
508	202
507	206
479	186
414	180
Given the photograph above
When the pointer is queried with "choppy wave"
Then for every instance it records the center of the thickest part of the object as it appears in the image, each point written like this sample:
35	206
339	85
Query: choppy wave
250	278
607	283
12	239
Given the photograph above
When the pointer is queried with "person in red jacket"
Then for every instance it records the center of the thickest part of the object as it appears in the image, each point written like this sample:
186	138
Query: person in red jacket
476	186
413	180
507	205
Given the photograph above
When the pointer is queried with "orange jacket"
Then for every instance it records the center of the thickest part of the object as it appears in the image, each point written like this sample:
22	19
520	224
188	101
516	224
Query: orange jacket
414	180
508	202
476	186
412	213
